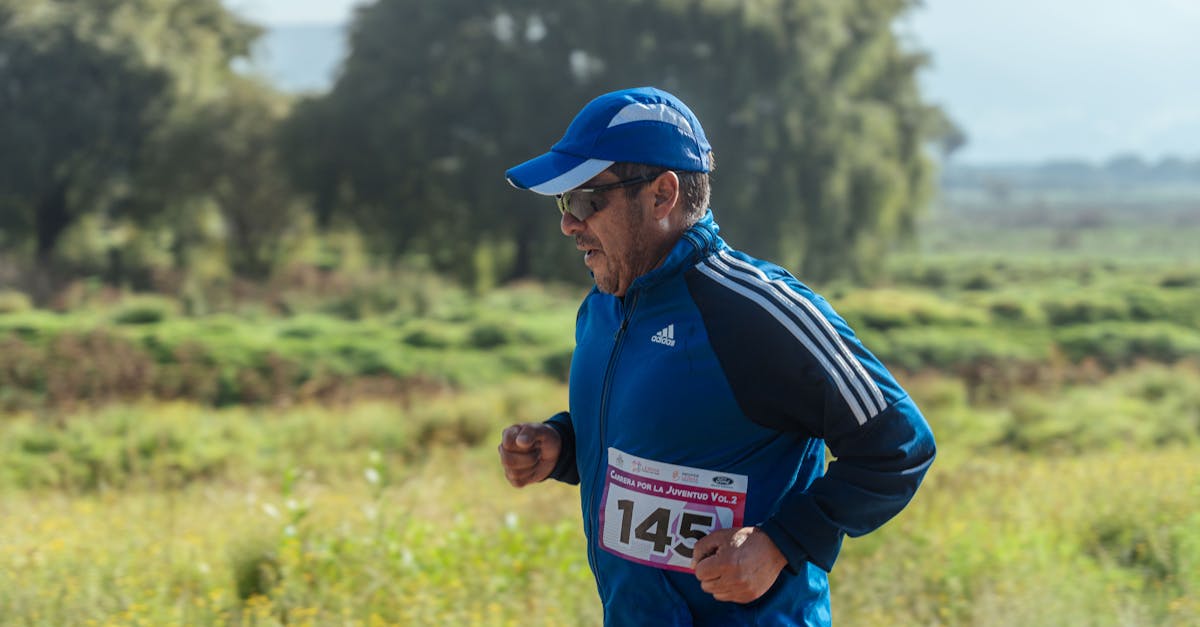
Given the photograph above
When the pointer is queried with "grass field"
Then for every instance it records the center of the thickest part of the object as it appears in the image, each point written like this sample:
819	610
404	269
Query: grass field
334	464
321	516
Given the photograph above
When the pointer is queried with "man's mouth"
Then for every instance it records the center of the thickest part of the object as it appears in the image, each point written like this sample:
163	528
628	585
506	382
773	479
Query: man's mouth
589	249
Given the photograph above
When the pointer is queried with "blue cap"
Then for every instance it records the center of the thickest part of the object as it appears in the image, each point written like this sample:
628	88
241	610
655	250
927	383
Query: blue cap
642	125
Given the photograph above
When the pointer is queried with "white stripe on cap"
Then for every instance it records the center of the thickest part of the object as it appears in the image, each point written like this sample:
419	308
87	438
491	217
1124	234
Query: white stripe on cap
641	112
572	178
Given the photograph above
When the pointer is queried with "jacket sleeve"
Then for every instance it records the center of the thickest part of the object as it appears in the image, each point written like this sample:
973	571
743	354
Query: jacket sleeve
794	365
565	469
877	469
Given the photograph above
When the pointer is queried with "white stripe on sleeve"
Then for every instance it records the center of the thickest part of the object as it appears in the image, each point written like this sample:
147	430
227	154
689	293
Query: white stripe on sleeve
816	322
772	308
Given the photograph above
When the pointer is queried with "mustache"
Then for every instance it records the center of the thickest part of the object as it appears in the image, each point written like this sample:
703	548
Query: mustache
583	242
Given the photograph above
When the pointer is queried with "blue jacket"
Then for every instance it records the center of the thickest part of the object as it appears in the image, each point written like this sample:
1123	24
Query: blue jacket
705	398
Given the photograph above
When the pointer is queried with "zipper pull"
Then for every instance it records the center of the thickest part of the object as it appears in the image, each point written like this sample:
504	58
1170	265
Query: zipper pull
625	318
621	331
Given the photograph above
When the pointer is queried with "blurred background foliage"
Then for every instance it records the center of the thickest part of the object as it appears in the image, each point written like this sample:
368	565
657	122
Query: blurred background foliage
135	152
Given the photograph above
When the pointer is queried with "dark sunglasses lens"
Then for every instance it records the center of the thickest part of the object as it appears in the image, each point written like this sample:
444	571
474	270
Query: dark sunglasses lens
580	204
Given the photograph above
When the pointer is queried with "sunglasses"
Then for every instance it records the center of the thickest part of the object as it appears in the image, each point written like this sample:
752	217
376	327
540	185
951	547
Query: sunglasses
585	201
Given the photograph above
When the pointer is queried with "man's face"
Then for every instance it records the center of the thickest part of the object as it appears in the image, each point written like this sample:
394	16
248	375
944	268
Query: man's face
615	240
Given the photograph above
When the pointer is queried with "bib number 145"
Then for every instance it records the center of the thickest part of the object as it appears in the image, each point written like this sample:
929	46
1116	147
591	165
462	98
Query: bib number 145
657	531
653	513
656	528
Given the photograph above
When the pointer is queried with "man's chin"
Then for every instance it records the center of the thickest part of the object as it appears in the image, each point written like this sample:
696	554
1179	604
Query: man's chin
605	284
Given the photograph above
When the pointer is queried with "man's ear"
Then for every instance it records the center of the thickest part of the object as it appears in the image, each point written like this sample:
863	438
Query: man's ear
666	194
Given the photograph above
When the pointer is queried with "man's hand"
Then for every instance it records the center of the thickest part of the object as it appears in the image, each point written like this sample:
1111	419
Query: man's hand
528	452
737	565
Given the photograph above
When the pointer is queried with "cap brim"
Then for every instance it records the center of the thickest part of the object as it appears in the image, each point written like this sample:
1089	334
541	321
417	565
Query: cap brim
555	172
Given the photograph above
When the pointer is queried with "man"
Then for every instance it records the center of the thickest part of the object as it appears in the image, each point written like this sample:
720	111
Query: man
704	388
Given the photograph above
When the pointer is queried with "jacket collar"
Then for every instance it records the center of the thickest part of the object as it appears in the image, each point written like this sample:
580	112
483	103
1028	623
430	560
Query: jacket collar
698	242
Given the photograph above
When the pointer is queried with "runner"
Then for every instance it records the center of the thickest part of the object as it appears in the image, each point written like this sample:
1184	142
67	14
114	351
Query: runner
705	386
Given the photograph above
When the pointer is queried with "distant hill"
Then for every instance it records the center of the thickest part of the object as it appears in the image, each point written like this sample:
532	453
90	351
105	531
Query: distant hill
1125	183
1122	171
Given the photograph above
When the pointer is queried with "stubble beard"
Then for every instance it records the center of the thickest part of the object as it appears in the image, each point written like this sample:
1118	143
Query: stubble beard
632	263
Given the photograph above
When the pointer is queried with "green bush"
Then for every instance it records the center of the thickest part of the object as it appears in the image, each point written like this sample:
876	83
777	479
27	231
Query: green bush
1116	344
1088	422
1146	305
1085	308
145	310
980	282
1015	309
487	335
950	349
362	303
365	359
557	364
254	563
1149	406
14	302
885	309
427	336
1180	279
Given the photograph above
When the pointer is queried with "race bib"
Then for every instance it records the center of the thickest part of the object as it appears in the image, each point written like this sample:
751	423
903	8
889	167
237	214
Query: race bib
653	512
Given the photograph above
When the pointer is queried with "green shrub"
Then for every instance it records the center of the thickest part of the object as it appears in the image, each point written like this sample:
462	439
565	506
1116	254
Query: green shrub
933	277
487	335
884	309
223	359
1014	309
14	302
950	349
460	430
557	364
354	306
1085	309
255	567
145	310
980	282
1180	279
1133	543
301	331
1078	421
1116	344
365	360
1149	406
956	423
1146	305
428	336
38	325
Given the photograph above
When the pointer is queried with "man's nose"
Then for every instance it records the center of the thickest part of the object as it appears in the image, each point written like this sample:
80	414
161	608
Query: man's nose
570	225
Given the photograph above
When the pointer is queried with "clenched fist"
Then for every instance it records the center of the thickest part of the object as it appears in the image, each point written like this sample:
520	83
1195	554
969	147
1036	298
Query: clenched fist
737	565
528	452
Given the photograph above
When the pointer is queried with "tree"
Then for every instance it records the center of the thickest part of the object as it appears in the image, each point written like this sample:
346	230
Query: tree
86	88
73	118
226	151
812	107
428	112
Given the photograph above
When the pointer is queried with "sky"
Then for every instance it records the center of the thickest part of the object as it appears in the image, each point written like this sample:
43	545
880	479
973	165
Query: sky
1027	80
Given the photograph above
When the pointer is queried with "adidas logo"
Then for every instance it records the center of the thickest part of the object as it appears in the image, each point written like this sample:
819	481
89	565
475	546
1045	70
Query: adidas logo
666	336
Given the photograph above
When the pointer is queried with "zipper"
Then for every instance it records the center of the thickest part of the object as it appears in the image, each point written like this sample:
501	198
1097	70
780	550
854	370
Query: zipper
598	473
